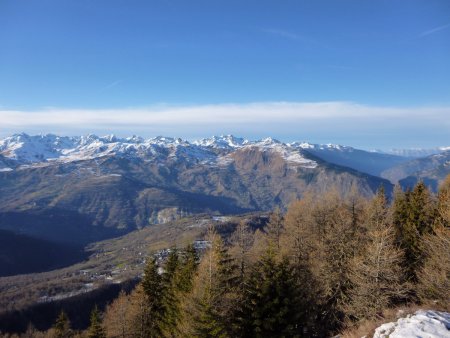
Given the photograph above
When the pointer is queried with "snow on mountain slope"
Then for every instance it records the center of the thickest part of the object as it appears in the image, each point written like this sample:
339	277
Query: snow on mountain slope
22	149
44	149
423	324
222	142
29	149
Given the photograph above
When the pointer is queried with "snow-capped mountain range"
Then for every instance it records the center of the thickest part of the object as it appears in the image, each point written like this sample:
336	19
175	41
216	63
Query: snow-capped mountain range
23	149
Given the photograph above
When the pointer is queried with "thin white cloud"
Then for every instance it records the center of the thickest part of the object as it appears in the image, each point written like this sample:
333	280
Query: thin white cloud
111	85
340	122
434	30
261	112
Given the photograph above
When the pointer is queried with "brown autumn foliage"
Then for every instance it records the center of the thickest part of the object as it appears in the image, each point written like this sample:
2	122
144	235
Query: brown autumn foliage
376	273
434	276
345	256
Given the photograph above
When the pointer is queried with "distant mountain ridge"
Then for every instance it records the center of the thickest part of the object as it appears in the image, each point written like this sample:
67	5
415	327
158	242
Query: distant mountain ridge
20	149
431	169
415	152
26	149
82	189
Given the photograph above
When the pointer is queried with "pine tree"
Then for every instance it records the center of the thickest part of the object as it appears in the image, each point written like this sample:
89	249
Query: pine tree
213	295
187	270
414	215
273	305
95	329
62	326
170	300
153	291
183	282
423	209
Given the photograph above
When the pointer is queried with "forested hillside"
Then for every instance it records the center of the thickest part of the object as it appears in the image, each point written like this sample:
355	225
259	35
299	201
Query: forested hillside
328	264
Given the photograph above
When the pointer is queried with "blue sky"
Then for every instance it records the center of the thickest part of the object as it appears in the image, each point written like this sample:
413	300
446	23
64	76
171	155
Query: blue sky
193	68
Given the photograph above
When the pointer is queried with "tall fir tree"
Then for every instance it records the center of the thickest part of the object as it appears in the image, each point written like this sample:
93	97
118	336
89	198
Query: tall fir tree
96	329
153	291
62	327
214	291
170	301
187	269
273	305
414	215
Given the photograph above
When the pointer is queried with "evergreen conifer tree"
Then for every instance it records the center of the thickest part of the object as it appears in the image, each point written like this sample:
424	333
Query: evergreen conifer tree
414	215
272	304
170	300
187	269
62	326
153	290
95	329
213	295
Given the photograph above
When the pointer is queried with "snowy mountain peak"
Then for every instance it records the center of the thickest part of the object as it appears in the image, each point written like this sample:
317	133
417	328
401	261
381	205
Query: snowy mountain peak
134	139
25	149
268	141
302	145
110	138
222	142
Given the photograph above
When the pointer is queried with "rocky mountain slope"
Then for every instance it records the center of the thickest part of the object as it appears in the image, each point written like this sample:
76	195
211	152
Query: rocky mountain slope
431	169
373	163
82	189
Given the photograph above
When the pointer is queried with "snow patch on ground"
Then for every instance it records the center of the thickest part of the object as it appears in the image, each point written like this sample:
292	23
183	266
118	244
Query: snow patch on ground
422	324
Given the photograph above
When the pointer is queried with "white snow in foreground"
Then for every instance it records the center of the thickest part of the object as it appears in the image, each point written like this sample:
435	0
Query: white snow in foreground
422	324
